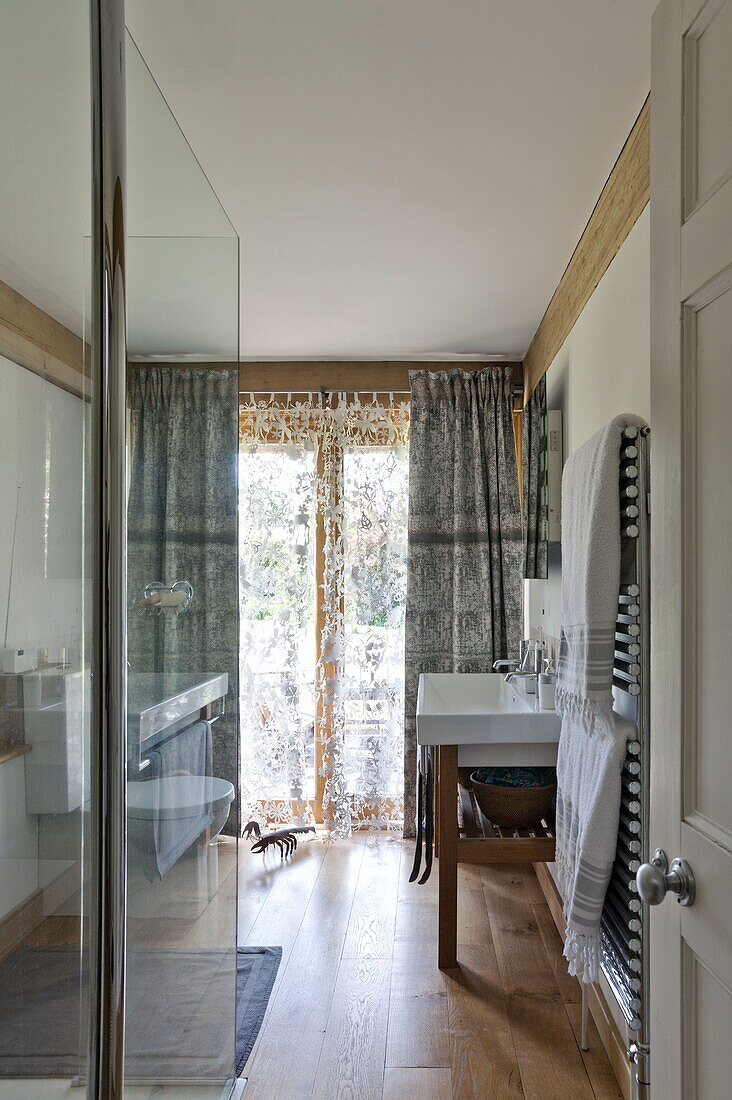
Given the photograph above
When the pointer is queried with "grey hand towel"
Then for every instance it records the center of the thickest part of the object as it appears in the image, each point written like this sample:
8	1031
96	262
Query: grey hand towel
186	753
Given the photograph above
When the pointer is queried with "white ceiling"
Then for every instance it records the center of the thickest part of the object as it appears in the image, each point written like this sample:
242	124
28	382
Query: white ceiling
408	177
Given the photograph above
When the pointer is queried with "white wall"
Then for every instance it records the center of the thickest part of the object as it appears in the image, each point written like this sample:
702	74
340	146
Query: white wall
602	369
41	451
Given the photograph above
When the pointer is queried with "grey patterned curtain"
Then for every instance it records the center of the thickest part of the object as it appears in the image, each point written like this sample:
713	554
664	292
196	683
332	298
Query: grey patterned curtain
533	458
183	525
465	536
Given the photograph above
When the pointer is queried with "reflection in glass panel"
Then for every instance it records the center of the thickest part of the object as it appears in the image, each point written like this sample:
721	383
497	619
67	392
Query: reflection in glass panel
182	729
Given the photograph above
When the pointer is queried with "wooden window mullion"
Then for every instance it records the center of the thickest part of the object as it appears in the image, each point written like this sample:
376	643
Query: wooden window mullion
324	710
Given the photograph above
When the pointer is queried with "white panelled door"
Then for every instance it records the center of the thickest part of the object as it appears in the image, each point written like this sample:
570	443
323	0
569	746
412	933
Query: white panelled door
691	501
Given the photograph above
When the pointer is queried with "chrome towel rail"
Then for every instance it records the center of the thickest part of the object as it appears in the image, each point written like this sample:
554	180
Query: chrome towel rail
624	919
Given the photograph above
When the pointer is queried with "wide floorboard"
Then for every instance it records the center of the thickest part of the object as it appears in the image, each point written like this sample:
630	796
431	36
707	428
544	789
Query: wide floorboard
360	1009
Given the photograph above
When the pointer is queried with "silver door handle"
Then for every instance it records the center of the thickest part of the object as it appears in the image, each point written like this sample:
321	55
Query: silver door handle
654	880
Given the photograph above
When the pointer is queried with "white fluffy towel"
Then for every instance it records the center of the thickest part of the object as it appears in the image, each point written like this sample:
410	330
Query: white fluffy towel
592	739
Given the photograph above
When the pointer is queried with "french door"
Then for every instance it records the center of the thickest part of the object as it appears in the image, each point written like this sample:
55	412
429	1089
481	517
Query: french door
323	486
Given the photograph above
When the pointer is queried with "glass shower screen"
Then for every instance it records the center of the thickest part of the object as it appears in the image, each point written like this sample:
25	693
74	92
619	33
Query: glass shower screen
183	314
45	610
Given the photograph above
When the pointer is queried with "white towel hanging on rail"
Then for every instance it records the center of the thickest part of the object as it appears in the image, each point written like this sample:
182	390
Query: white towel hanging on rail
592	739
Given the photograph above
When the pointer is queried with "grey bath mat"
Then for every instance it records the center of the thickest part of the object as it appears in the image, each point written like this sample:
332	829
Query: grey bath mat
180	1023
257	969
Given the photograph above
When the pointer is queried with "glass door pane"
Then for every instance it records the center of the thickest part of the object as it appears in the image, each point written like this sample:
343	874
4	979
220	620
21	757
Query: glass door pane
375	491
277	582
45	611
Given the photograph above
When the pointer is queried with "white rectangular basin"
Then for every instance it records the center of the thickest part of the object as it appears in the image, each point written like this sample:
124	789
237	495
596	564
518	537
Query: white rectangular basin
492	721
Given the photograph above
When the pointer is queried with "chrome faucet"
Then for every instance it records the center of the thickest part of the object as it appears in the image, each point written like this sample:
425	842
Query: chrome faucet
519	675
509	664
528	667
513	664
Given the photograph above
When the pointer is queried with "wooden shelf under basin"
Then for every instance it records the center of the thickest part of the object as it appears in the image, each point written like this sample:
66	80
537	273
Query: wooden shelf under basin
464	835
482	841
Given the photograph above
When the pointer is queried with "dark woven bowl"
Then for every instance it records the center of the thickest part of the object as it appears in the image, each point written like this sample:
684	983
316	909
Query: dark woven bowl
518	807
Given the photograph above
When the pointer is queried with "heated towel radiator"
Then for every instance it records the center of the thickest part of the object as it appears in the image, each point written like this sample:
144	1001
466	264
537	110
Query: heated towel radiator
624	923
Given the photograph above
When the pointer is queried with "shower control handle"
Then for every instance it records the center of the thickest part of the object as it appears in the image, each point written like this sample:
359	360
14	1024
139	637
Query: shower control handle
655	879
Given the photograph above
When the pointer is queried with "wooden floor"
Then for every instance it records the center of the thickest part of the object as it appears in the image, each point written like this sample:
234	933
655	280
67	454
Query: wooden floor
360	1010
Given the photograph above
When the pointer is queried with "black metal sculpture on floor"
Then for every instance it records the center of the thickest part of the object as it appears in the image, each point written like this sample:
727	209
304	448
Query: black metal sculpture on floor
284	839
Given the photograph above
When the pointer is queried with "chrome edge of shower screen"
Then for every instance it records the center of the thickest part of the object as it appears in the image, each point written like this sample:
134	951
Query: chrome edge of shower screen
107	912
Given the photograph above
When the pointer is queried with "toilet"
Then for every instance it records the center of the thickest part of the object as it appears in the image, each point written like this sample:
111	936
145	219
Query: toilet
166	816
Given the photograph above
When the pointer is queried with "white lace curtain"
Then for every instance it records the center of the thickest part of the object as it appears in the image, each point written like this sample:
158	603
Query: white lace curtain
323	528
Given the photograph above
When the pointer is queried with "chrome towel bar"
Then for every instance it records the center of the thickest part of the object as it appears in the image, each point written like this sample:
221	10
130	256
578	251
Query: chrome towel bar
624	926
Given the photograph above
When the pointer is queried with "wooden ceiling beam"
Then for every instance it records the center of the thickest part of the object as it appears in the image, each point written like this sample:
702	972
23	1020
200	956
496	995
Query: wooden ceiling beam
384	376
36	341
307	376
621	202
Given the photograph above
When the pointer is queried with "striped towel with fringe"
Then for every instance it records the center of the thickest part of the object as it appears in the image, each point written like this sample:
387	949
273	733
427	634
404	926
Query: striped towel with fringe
592	739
